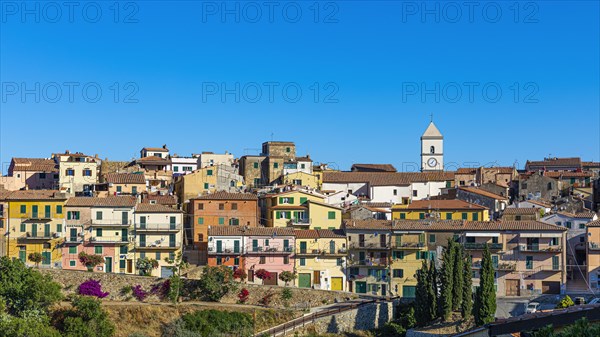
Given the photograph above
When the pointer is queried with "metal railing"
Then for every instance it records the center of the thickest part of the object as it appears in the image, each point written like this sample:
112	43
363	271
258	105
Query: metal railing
374	262
109	223
540	249
109	239
270	250
158	246
369	245
158	227
481	246
409	245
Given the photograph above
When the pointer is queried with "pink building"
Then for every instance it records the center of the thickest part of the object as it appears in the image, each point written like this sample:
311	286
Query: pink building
271	249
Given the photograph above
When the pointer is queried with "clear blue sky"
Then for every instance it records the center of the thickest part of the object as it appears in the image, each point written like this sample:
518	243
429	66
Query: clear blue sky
378	57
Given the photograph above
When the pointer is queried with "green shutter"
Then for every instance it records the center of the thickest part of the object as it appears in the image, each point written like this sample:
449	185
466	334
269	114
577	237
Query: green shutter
303	200
277	215
205	186
331	215
200	221
475	216
402	216
464	216
58	209
421	215
73	250
291	200
221	221
97	249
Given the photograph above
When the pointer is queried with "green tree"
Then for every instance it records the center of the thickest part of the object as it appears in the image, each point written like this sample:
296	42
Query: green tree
467	304
35	258
565	302
90	260
457	283
434	289
175	281
216	282
86	319
447	280
287	277
23	289
423	298
32	326
485	299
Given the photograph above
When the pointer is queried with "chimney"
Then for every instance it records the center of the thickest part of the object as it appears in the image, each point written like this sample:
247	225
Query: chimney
165	146
67	152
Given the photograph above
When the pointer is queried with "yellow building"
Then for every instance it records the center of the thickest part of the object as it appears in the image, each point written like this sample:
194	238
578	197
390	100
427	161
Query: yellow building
440	210
300	178
302	210
208	179
35	224
593	254
77	172
321	259
409	249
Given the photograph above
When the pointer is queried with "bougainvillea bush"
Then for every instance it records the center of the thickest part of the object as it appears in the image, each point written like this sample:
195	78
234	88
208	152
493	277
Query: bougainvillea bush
139	293
92	288
263	275
243	295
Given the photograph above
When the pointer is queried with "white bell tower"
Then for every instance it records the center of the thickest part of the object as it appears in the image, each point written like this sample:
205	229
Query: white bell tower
432	149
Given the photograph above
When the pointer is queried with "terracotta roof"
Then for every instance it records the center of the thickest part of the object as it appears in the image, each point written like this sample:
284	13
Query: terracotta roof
156	149
125	178
34	164
4	194
153	159
591	164
458	225
305	158
521	211
322	204
552	162
580	215
373	167
223	195
567	174
440	204
155	208
483	192
386	178
466	170
288	207
250	231
119	201
36	195
369	224
319	233
595	223
377	204
160	199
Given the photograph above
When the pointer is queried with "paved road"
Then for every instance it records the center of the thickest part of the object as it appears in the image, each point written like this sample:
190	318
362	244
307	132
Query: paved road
510	307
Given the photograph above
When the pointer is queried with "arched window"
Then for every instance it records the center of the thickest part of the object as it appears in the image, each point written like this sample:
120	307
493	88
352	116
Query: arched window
432	149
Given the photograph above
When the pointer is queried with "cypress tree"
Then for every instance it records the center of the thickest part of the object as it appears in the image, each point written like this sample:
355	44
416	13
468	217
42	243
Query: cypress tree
467	304
433	287
485	300
457	284
447	281
422	299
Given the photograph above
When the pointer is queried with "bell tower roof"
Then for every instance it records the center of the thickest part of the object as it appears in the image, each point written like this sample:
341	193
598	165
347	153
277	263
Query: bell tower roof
432	132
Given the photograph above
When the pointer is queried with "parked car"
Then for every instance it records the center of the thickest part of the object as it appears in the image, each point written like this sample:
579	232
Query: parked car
595	301
532	307
579	300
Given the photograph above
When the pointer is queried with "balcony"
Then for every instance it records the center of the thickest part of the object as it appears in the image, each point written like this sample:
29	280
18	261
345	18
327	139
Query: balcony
502	266
369	245
594	245
158	245
309	252
159	228
299	222
374	262
540	249
109	239
224	251
36	216
481	246
270	250
30	236
112	224
74	240
409	245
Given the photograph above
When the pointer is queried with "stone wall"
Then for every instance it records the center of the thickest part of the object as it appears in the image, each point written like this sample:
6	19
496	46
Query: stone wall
365	317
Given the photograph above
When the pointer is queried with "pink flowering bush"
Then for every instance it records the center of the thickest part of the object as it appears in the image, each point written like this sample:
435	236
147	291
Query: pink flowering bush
92	288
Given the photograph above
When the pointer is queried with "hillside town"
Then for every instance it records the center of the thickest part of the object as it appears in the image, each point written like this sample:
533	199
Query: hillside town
364	230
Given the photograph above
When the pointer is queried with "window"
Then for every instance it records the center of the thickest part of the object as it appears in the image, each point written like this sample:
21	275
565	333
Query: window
275	165
303	200
286	260
175	168
234	222
461	183
475	216
99	232
339	261
200	206
465	216
549	186
23	229
398	254
524	186
495	239
97	249
221	207
302	166
262	260
256	181
142	255
266	242
395	192
555	264
331	215
58	209
398	273
236	261
122	264
99	215
23	209
255	165
73	250
119	189
209	172
349	191
157	256
448	216
59	228
72	263
421	215
287	149
221	221
581	225
431	238
558	223
568	224
495	261
70	172
415	193
123	250
219	261
205	186
554	242
302	261
529	262
402	215
234	206
42	175
87	173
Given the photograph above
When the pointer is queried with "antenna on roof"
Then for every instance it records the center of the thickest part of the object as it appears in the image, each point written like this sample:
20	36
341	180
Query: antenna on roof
431	117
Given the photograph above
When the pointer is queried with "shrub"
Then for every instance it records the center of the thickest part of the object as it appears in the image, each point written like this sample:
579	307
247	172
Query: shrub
216	282
161	289
240	274
175	288
145	266
243	295
215	323
30	326
266	300
87	319
126	290
287	277
263	275
92	288
286	294
565	302
139	293
90	260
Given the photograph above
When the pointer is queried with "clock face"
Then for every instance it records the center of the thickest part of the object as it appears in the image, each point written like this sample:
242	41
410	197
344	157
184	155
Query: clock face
432	162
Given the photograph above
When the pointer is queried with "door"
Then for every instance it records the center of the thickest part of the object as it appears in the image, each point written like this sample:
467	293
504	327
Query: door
172	240
316	277
34	230
108	265
273	280
166	272
550	287
142	222
255	245
46	230
304	280
361	287
129	266
73	234
47	214
236	246
172	222
219	246
302	247
331	247
23	255
383	289
124	235
124	218
46	257
512	287
337	283
34	211
143	240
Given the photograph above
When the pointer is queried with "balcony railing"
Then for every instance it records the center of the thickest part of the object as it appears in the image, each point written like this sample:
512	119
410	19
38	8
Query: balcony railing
109	223
270	250
508	266
481	246
409	245
224	250
374	262
109	239
369	245
74	240
594	245
299	222
158	246
35	216
40	236
540	249
158	228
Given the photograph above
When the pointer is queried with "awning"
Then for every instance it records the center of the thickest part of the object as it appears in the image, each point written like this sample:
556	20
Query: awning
483	234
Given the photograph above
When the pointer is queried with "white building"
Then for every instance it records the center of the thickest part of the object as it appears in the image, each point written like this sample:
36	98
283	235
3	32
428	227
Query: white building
183	165
205	159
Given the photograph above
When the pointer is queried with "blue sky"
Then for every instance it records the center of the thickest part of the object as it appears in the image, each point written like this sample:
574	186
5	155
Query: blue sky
371	62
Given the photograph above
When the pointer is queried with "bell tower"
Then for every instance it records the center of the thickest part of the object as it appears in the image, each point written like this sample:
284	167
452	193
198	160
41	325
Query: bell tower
432	149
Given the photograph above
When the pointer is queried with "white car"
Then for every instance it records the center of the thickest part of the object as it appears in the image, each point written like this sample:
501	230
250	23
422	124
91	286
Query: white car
532	307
